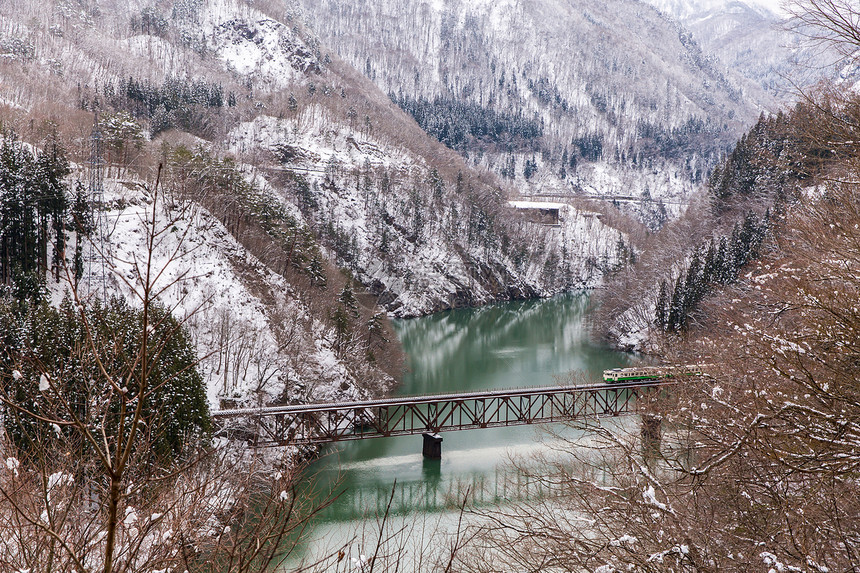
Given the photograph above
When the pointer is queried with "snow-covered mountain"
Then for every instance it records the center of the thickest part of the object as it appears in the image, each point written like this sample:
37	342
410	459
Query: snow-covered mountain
686	9
617	98
754	39
305	180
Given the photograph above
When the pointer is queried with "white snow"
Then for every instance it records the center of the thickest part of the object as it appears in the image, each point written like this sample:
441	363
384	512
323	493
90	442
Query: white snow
536	205
686	8
256	46
12	464
650	497
333	156
624	540
203	273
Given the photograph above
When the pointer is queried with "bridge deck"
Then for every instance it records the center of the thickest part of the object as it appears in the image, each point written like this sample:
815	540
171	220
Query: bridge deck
411	415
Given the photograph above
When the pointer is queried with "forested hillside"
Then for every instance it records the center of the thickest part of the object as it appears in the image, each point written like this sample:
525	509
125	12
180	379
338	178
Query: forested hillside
759	39
319	199
218	204
556	97
751	465
731	226
202	207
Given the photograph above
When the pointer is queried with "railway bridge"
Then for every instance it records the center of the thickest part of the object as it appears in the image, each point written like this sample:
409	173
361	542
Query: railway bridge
430	415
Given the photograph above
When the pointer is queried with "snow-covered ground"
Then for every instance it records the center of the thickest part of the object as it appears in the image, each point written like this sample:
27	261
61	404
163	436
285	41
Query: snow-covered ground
436	267
227	298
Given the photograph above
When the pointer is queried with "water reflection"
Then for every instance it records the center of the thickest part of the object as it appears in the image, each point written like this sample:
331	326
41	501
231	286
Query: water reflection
503	345
500	346
434	493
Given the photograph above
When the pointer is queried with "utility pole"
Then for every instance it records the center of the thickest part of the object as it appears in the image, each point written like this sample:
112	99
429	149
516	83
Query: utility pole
96	274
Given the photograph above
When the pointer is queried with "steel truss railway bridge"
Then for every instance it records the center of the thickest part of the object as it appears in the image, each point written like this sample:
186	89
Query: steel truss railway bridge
324	423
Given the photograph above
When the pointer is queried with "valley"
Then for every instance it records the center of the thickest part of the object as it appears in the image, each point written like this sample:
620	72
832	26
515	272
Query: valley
222	204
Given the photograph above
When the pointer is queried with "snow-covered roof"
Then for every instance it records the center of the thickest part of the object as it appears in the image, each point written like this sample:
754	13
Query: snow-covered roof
536	205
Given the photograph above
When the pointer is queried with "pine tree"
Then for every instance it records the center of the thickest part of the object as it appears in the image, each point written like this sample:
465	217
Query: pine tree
340	320
530	168
722	262
694	288
20	249
82	225
661	306
348	300
709	266
41	341
563	170
52	167
676	319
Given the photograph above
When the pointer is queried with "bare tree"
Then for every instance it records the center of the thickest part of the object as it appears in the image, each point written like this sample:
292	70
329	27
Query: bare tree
758	461
828	23
89	483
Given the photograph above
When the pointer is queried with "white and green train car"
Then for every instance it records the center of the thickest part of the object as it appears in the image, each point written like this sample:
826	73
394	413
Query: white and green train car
652	372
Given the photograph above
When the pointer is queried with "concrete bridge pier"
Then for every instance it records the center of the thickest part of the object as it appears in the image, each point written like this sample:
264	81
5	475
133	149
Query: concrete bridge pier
651	434
432	446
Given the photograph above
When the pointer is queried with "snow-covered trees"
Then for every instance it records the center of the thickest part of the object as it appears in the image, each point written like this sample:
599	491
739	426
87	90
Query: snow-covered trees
33	213
253	215
833	23
64	355
491	79
108	465
177	102
713	241
466	126
766	161
758	463
757	466
709	267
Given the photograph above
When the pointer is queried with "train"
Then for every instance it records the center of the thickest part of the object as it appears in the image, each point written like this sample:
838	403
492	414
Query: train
652	372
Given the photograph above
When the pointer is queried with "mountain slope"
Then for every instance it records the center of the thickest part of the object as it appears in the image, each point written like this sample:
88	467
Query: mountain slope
321	182
753	39
623	100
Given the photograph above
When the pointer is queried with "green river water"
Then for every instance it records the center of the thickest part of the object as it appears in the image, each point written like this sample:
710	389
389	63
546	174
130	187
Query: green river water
516	344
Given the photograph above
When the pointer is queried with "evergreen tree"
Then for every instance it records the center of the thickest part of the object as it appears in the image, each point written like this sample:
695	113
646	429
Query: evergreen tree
623	253
694	289
563	170
52	168
375	328
82	225
59	352
33	207
737	252
675	319
375	334
342	324
709	265
722	262
348	300
530	168
661	306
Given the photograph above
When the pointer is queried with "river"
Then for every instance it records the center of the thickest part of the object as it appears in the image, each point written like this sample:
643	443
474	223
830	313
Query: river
515	344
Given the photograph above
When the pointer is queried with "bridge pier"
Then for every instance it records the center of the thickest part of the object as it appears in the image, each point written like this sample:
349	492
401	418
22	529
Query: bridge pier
651	434
432	446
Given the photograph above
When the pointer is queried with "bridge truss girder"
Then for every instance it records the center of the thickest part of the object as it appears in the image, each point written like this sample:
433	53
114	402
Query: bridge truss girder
326	423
